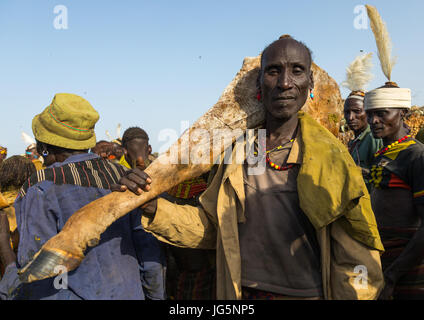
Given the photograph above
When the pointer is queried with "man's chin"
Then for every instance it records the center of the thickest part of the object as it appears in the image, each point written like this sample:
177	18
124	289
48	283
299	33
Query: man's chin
378	134
283	113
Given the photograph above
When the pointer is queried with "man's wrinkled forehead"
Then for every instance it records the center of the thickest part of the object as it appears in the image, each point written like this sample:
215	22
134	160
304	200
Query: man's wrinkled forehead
286	49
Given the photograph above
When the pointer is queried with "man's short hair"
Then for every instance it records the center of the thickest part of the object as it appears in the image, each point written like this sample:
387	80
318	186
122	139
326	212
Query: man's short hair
134	133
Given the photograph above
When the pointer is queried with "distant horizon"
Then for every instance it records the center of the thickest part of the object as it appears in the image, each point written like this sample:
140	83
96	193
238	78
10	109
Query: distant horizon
159	64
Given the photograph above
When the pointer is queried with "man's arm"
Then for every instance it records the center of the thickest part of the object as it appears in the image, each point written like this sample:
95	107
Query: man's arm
181	226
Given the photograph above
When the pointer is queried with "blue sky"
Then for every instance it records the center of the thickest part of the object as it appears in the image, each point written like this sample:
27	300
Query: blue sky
156	63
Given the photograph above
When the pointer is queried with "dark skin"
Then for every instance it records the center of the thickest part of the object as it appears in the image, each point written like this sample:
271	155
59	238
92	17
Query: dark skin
103	149
135	149
394	207
355	116
53	156
136	153
117	150
285	82
356	119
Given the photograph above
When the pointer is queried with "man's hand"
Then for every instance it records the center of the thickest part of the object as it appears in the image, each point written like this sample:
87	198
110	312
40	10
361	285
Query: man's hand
137	181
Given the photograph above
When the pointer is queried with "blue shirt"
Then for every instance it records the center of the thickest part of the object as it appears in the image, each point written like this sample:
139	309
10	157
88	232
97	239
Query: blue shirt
126	259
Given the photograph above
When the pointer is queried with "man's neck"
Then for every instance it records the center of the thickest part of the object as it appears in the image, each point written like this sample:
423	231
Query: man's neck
63	156
399	135
280	131
359	132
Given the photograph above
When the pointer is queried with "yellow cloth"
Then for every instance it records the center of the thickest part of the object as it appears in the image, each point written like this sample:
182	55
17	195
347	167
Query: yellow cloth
329	174
124	162
38	164
6	204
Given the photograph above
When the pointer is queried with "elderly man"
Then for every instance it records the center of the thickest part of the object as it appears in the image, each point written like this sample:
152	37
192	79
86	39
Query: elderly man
65	132
304	228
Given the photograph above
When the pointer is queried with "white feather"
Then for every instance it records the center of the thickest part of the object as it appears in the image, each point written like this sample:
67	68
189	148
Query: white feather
383	41
358	74
118	131
108	135
27	139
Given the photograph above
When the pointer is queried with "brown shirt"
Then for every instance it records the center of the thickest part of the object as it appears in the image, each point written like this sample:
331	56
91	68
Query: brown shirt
278	244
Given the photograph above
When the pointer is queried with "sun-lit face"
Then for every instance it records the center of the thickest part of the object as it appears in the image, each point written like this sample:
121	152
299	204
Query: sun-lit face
385	123
355	115
286	78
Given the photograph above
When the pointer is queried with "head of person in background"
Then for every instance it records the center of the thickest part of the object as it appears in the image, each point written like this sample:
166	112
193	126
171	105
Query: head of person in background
358	75
386	108
135	142
57	140
117	149
14	172
31	152
354	113
3	153
103	148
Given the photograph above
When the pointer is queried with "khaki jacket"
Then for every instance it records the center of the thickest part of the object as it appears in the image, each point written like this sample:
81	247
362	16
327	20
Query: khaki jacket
349	242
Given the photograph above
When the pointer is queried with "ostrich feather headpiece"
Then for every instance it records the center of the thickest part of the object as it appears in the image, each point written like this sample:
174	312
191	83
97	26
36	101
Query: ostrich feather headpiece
389	96
383	41
29	141
358	75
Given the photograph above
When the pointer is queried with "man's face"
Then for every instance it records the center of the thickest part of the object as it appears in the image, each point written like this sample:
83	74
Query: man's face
117	151
286	78
355	115
137	148
385	123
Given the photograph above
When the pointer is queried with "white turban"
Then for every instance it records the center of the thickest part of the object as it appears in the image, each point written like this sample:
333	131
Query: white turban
382	98
355	96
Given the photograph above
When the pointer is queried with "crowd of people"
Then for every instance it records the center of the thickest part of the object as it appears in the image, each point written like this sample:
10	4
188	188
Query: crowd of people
299	230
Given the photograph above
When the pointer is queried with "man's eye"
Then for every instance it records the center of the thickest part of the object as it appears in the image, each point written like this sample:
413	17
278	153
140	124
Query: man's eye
272	72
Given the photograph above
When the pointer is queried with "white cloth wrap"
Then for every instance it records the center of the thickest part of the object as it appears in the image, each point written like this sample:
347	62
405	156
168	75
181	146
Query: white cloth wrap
355	97
383	98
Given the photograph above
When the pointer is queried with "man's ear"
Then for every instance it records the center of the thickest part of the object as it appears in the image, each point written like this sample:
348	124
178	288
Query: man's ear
125	151
149	149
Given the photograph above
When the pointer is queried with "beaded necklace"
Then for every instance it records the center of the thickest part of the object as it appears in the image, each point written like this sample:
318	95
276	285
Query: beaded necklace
272	164
385	149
